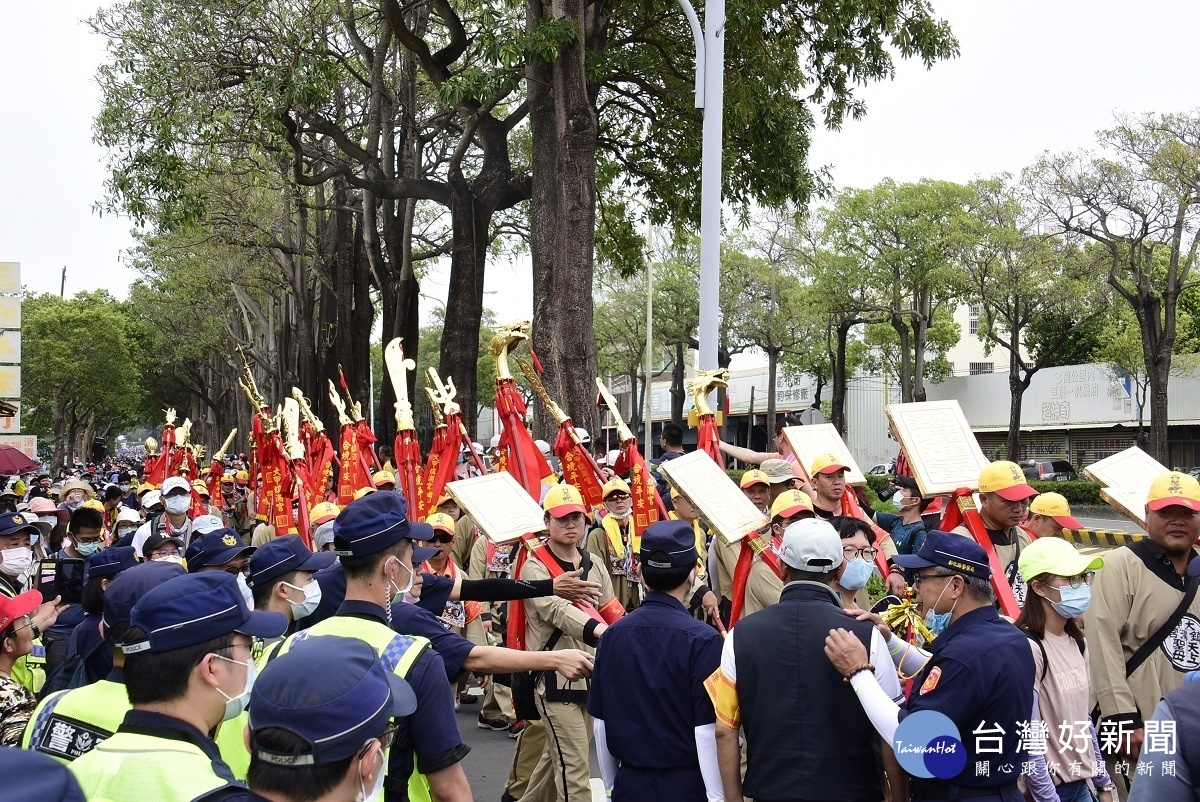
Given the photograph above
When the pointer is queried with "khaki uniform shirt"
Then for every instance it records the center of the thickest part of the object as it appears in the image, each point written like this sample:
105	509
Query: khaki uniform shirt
763	587
464	539
1130	602
626	588
1008	547
543	615
723	557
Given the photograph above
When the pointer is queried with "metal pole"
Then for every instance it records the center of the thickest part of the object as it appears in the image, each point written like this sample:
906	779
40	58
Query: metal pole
710	181
649	393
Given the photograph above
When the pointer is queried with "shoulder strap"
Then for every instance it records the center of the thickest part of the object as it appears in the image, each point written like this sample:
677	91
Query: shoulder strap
1146	649
1042	648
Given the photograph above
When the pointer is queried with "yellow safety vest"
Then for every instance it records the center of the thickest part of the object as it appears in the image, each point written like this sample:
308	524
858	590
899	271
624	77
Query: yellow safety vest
71	723
230	734
398	653
29	670
131	766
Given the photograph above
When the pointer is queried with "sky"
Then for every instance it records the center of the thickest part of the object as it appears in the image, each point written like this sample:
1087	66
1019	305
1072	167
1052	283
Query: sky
1033	76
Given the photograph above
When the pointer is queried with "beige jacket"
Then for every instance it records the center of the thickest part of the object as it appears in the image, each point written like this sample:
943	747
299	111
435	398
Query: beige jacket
1130	602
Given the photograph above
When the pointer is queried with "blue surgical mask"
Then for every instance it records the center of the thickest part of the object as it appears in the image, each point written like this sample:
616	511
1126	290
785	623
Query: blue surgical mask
937	622
87	549
1074	602
857	572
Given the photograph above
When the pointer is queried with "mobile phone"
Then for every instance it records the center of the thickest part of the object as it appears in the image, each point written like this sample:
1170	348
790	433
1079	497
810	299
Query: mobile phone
61	577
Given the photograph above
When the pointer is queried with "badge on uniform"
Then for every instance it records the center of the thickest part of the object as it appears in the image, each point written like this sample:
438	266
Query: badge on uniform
931	681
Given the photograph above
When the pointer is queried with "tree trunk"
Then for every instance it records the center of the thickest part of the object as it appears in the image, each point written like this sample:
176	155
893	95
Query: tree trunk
678	391
839	380
772	368
920	334
904	334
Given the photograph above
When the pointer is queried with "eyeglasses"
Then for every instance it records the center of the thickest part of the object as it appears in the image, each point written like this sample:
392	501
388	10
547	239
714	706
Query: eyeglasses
617	497
1082	579
867	552
441	539
28	623
922	577
386	739
244	570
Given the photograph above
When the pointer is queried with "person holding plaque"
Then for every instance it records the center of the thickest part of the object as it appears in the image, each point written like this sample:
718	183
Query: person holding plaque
1003	504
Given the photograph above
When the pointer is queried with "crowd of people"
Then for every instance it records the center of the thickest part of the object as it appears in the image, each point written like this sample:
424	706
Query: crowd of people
211	657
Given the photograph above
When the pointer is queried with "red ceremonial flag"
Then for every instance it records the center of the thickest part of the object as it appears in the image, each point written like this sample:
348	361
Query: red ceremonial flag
578	467
522	457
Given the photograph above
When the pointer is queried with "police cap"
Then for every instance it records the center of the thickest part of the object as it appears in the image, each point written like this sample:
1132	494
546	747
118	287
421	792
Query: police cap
669	544
954	552
109	562
215	548
283	555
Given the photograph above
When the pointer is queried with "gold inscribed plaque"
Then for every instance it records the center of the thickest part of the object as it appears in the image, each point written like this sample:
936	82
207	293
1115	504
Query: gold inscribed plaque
939	444
1126	478
714	495
499	506
10	276
809	442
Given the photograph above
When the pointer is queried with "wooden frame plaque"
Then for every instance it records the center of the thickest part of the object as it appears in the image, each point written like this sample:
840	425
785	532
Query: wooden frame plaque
939	444
499	506
714	495
1125	479
809	442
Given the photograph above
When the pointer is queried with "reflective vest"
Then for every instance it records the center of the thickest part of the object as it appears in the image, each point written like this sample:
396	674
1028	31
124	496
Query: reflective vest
398	653
29	670
132	766
230	735
71	723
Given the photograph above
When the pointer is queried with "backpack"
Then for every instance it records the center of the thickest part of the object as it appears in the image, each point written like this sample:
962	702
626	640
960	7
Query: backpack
74	672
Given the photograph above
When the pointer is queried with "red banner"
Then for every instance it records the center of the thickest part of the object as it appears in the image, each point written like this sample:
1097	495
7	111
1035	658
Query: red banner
522	457
578	467
648	507
408	472
741	571
707	439
349	478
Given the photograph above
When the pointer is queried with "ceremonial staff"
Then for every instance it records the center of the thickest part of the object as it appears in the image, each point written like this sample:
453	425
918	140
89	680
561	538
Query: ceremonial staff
295	455
433	459
521	455
216	468
579	468
355	473
648	507
407	450
444	393
707	438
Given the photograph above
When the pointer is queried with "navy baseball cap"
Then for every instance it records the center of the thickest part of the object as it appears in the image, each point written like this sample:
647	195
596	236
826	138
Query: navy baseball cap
669	544
32	775
13	522
332	693
109	562
215	548
196	608
283	555
421	532
131	585
373	523
946	550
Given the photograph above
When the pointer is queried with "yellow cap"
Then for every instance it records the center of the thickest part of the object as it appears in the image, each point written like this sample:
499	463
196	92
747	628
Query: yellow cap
1053	555
563	499
231	478
323	513
243	477
826	463
362	491
441	521
615	485
791	503
445	497
200	487
1174	488
1054	505
1006	480
146	487
675	492
754	477
93	504
384	478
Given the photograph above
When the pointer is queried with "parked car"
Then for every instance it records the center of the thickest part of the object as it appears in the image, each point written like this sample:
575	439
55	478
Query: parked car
1049	470
882	469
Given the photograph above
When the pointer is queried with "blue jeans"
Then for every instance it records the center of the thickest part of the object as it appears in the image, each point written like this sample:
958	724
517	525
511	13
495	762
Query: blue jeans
1076	791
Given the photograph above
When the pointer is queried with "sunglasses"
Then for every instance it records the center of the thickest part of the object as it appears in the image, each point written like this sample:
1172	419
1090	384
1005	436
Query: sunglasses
441	538
618	497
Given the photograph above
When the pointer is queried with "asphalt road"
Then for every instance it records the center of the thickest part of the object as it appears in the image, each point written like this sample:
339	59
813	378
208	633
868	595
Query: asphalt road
491	753
1114	524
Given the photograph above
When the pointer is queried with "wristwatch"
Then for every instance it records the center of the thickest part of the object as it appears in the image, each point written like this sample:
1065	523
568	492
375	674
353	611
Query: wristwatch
1111	787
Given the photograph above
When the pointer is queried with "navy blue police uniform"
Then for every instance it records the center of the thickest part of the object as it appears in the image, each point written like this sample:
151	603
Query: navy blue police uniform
648	683
86	639
980	675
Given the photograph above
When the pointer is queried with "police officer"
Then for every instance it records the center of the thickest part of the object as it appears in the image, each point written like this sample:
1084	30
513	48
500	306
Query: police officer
648	686
281	579
322	718
979	674
374	540
31	776
71	723
188	667
87	639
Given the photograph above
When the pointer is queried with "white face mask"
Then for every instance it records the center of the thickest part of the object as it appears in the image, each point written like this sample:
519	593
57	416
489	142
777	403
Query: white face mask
17	562
48	519
376	791
247	594
177	505
125	488
234	705
399	592
312	598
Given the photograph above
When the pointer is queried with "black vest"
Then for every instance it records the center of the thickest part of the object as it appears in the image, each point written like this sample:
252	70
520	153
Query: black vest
807	737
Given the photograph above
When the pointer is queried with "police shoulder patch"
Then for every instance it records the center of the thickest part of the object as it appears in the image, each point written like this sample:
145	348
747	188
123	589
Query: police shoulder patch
931	680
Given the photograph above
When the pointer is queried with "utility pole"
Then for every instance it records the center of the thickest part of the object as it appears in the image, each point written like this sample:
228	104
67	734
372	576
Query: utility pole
649	391
62	288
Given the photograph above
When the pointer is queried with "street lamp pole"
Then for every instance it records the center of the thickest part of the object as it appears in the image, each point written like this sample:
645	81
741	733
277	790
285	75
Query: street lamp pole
648	392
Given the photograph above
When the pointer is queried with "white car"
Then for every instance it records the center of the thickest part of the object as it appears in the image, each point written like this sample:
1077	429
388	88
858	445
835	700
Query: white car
882	469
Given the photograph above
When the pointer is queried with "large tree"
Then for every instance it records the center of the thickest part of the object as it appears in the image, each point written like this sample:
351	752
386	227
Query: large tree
1138	197
1020	281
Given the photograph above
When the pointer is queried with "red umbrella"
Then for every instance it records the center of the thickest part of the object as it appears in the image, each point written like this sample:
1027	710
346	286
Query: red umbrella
13	461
